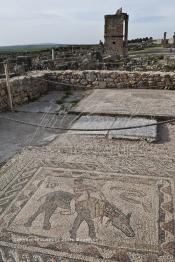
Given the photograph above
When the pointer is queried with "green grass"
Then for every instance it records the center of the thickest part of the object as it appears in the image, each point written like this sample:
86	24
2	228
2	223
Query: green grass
38	48
148	50
27	48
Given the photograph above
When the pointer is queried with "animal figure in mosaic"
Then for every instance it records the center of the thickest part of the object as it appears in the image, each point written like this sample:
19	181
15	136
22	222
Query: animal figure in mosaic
52	202
2	255
11	256
92	208
87	210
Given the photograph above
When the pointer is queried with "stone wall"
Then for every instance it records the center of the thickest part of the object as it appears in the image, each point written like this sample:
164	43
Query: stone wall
114	79
23	89
32	86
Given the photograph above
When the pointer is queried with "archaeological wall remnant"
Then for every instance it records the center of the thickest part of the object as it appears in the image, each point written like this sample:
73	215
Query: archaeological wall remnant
31	87
23	89
165	40
116	33
174	39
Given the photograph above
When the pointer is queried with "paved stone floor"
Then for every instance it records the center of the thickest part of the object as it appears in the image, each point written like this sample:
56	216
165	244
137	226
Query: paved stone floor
49	110
106	122
159	103
89	199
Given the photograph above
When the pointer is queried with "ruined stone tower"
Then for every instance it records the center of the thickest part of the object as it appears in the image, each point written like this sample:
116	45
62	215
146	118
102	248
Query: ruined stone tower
165	41
174	39
116	33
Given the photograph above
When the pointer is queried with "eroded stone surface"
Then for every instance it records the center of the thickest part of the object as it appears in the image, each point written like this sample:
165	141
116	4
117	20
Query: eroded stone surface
148	132
50	110
107	122
92	122
117	178
129	102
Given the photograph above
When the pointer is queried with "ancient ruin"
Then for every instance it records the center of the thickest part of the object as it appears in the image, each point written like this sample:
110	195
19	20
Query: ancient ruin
87	156
174	39
116	33
165	40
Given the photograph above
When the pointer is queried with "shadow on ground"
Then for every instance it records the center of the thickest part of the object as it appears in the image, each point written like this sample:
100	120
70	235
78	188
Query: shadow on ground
50	110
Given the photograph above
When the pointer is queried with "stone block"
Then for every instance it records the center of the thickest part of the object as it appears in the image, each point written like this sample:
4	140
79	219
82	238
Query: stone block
102	85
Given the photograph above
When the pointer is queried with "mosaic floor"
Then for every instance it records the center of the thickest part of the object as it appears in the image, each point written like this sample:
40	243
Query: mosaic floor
82	199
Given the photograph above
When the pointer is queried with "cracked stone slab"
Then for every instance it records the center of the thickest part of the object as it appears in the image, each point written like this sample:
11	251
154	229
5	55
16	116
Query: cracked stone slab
149	132
129	102
108	122
92	122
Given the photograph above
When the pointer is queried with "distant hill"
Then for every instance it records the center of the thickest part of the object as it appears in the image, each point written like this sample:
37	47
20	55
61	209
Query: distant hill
28	48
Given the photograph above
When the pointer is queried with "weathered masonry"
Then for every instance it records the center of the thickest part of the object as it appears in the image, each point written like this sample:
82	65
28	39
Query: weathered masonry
116	33
23	89
32	86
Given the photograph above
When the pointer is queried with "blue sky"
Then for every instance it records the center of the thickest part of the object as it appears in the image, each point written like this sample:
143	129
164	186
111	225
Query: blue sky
80	21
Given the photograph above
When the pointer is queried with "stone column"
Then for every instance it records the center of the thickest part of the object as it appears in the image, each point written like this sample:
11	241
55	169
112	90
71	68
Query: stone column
126	36
174	39
164	39
53	54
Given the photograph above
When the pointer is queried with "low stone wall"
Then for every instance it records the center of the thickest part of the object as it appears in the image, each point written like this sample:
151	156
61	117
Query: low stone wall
23	89
114	79
30	87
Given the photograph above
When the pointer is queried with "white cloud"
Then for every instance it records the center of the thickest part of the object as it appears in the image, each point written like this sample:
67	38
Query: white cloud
79	21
